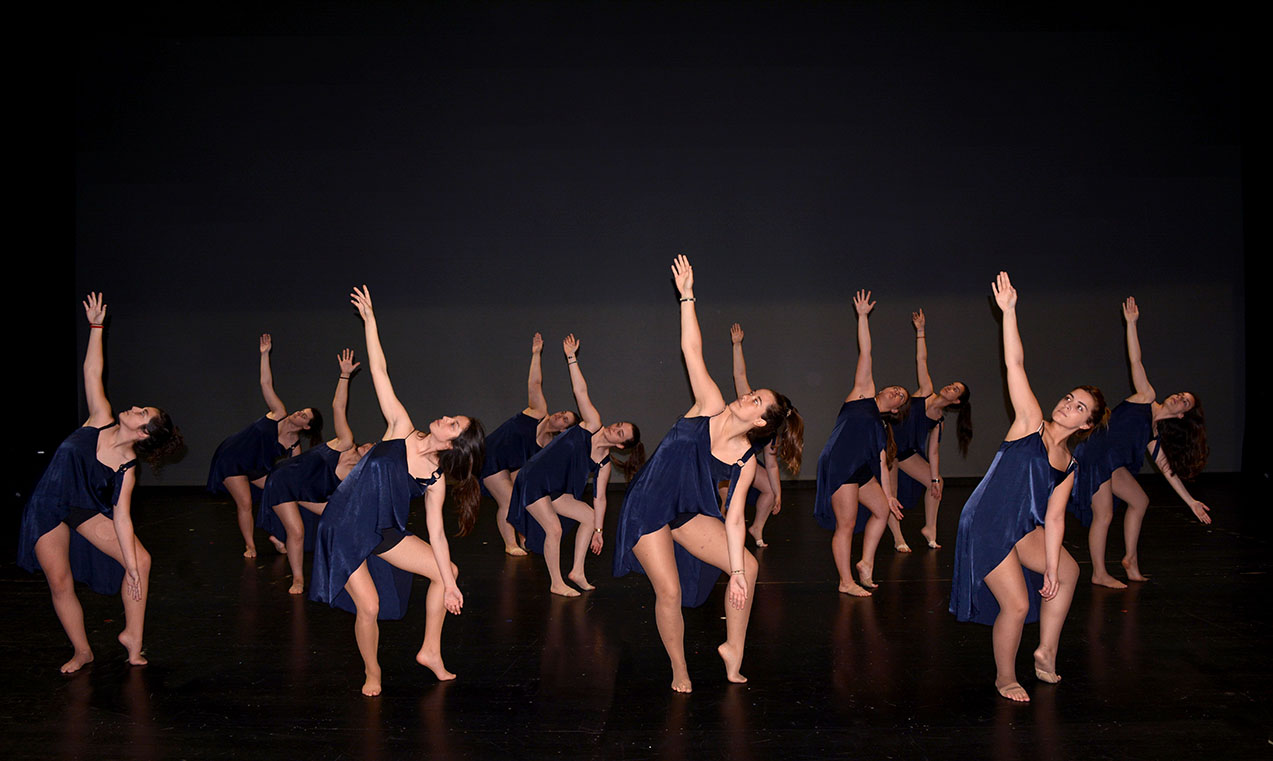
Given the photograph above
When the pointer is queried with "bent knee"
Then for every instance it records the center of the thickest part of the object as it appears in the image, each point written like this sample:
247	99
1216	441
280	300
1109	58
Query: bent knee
455	571
749	564
143	560
1068	569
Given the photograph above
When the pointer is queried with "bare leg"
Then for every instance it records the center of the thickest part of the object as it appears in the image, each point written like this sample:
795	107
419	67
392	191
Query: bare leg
894	527
845	504
1128	490
1098	533
1033	555
542	510
53	552
764	506
241	491
572	508
705	539
500	485
1007	584
100	530
657	558
917	468
872	495
415	555
366	629
290	515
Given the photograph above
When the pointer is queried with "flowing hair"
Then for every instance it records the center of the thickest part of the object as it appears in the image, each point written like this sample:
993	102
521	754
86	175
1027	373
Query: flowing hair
634	454
461	464
784	425
163	441
1184	441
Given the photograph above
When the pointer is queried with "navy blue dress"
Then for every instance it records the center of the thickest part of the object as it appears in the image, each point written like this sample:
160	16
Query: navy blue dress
911	435
75	479
374	497
678	482
308	477
562	467
511	445
1010	501
251	452
1121	444
852	455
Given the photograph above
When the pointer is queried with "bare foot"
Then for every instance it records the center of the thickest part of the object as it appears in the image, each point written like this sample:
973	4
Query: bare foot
760	540
864	574
433	662
853	589
1133	570
78	662
250	552
282	548
1044	667
903	547
133	646
564	591
733	662
515	551
1105	580
371	687
681	682
581	580
931	538
1013	691
297	588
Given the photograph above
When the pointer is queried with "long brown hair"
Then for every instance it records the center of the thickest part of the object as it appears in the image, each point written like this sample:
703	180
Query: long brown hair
461	464
1184	441
633	454
1098	416
783	424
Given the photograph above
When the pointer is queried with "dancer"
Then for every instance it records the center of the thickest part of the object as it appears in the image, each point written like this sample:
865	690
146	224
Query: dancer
768	483
363	555
516	441
552	483
307	480
78	524
242	461
854	464
1010	566
1175	434
918	438
671	529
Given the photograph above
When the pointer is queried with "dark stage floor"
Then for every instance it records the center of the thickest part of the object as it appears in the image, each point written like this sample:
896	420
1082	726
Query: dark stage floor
1174	668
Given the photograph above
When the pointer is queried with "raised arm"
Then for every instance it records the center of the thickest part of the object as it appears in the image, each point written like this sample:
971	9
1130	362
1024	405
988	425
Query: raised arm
278	410
1027	414
590	418
399	422
921	356
1140	381
599	507
1199	510
707	396
453	600
536	404
741	386
863	379
340	401
99	408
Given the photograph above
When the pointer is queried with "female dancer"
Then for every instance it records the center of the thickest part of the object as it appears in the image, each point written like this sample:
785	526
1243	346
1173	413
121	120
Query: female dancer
920	432
308	480
1174	431
78	524
243	460
517	440
552	483
363	555
1011	528
767	482
854	465
671	528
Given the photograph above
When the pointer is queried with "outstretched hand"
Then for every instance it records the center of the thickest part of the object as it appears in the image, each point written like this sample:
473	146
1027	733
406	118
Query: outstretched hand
736	333
267	343
570	345
536	344
94	308
453	600
683	275
347	363
362	300
1200	511
862	302
895	507
1131	312
1005	294
917	319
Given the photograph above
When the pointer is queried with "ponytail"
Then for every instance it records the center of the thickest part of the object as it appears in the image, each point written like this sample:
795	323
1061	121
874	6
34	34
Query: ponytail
784	425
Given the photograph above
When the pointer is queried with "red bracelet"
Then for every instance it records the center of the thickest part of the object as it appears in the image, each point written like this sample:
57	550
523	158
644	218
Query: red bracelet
92	325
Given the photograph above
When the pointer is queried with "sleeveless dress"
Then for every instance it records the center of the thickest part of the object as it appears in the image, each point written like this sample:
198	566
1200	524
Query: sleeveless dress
911	435
1010	501
75	482
251	452
677	483
852	455
1121	444
562	467
307	477
372	501
511	445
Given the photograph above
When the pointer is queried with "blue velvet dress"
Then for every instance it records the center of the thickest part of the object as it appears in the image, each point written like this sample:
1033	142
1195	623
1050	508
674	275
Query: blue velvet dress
374	497
911	435
1010	501
511	445
852	455
251	452
307	477
75	478
678	482
562	467
1121	444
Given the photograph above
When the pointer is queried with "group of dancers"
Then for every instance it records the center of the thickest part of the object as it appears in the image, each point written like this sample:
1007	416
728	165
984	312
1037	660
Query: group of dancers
682	521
